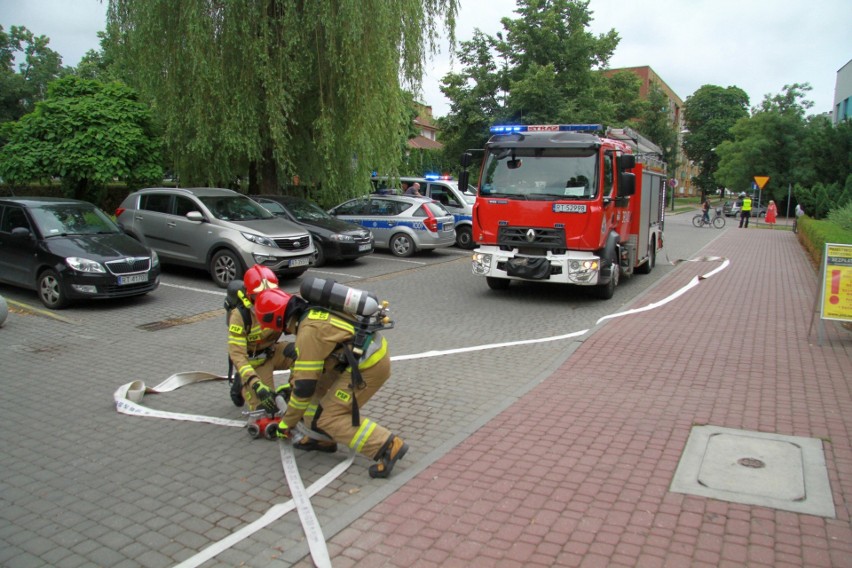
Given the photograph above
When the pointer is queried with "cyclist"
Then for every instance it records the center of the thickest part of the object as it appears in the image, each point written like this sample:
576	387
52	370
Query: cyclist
705	209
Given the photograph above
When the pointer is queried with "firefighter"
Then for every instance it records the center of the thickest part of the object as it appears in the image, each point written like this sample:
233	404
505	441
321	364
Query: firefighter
745	213
324	343
256	352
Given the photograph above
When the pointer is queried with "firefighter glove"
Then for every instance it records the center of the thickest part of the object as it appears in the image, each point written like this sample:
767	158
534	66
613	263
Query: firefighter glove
284	432
265	396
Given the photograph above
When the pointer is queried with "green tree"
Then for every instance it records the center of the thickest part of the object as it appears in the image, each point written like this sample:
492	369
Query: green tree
768	143
825	154
542	69
657	124
280	88
87	133
477	96
553	60
37	66
709	114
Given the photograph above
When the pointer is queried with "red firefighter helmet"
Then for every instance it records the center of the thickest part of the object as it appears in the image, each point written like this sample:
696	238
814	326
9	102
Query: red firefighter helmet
271	308
258	278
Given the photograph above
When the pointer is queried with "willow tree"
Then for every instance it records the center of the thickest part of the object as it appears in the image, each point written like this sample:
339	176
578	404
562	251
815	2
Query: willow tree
280	88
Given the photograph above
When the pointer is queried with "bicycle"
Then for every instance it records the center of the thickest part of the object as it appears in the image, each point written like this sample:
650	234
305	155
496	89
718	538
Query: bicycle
718	221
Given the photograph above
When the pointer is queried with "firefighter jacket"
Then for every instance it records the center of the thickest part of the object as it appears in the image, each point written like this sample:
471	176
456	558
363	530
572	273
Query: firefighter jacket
248	348
322	338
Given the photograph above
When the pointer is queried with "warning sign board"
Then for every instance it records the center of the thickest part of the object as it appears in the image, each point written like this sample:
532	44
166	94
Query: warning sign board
761	181
836	302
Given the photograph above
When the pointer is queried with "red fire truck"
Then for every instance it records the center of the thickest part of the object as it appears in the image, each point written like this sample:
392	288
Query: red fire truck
567	204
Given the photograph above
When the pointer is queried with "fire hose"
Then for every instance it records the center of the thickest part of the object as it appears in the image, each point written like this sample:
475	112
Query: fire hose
127	401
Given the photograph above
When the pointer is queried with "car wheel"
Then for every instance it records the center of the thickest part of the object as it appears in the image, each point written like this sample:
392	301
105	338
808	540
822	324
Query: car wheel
320	260
224	267
464	238
50	290
401	245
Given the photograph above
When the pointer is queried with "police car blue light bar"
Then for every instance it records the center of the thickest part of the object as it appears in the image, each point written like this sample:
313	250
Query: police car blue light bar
511	128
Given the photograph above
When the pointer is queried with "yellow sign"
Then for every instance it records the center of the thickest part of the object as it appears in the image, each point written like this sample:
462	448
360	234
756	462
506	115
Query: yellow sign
837	283
761	181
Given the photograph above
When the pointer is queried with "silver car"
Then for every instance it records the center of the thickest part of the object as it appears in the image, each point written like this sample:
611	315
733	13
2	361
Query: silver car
219	230
399	223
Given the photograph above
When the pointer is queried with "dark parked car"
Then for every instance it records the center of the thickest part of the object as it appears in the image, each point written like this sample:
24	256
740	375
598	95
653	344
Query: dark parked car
67	249
333	238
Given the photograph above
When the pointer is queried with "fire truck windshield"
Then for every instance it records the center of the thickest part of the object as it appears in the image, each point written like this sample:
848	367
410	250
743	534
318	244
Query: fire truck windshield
541	173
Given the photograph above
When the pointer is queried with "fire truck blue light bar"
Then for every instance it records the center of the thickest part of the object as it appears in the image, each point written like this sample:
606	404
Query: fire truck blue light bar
510	128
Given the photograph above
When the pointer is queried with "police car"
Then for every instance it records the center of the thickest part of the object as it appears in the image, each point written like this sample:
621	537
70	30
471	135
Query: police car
400	223
445	191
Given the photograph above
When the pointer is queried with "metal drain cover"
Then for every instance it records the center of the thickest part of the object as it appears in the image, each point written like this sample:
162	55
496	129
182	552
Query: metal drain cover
755	468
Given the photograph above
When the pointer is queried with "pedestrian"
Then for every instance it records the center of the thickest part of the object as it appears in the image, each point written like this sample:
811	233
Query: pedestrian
350	377
771	213
255	352
799	212
745	213
413	190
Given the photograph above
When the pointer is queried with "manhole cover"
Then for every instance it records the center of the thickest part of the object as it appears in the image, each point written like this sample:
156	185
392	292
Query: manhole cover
755	468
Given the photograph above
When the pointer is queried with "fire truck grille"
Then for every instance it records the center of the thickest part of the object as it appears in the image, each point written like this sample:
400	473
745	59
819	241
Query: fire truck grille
531	237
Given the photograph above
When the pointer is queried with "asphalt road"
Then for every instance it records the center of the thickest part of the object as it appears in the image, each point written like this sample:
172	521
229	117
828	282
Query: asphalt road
82	485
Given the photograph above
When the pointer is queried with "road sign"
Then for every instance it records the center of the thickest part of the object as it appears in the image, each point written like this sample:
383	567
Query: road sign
761	181
672	182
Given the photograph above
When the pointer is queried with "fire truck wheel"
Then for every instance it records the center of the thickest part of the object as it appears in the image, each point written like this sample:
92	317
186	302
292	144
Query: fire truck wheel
606	291
253	431
497	283
652	260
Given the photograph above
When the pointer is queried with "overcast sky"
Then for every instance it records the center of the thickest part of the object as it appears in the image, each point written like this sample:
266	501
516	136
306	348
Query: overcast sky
757	45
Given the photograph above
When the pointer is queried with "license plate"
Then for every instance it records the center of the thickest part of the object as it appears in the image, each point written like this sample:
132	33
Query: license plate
449	226
132	279
299	262
362	248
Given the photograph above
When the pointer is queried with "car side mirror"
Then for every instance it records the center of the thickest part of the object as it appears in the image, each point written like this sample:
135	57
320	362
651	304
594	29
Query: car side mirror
466	159
464	178
195	216
21	233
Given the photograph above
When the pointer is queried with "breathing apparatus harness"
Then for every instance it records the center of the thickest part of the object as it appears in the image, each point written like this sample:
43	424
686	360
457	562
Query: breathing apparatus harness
362	310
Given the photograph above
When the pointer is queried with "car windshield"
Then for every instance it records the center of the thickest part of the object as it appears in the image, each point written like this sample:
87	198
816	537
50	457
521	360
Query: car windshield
73	219
305	211
234	208
549	173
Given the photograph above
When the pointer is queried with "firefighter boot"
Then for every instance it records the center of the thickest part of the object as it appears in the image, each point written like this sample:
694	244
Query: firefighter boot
237	391
393	450
307	444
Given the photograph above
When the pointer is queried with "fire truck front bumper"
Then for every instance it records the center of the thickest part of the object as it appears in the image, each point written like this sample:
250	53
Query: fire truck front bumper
573	267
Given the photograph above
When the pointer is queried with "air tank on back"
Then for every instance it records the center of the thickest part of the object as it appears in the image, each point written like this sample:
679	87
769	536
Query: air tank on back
328	293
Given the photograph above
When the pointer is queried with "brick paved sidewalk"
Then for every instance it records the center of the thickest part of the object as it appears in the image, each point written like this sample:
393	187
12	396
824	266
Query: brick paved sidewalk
577	472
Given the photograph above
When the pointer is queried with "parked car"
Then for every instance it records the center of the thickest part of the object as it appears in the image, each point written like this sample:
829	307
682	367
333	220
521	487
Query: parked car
399	223
215	229
733	208
66	250
446	192
333	238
